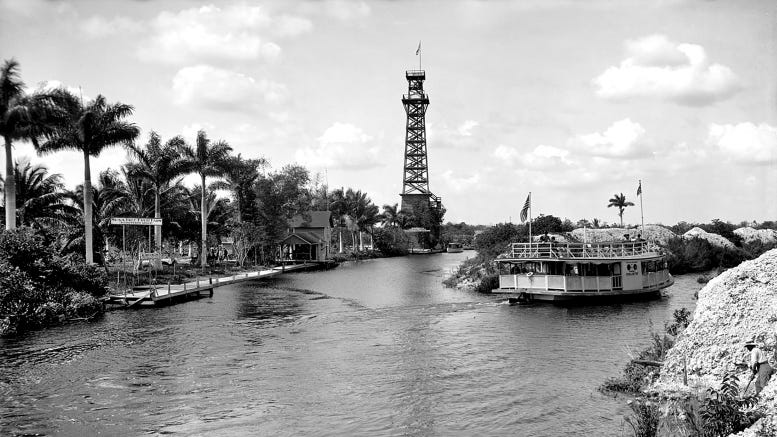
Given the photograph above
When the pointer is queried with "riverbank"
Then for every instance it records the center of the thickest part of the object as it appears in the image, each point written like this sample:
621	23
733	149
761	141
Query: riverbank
40	288
735	307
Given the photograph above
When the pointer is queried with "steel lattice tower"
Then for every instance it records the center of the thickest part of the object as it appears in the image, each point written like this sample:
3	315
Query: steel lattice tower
415	182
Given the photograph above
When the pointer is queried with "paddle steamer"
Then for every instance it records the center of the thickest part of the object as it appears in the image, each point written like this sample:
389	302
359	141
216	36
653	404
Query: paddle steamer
552	271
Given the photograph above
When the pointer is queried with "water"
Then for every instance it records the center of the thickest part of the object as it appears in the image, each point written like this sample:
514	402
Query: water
372	348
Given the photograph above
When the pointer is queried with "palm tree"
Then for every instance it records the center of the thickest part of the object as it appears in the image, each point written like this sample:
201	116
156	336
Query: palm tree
158	165
22	117
239	178
40	197
205	159
90	129
619	201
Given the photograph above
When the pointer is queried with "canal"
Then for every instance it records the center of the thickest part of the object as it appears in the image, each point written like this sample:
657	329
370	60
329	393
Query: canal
375	348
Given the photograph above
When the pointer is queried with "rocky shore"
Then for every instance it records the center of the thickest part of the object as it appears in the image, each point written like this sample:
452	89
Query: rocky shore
734	307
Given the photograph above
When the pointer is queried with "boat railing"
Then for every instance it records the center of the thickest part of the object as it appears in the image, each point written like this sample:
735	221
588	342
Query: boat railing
552	250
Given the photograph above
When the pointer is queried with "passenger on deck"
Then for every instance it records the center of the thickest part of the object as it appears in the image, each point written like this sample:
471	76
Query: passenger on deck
627	237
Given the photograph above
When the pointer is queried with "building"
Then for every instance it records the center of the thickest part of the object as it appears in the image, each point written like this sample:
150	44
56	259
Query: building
308	238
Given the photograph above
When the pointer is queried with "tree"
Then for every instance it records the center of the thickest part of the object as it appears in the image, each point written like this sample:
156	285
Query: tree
239	177
89	128
389	216
205	159
619	201
40	196
158	165
22	117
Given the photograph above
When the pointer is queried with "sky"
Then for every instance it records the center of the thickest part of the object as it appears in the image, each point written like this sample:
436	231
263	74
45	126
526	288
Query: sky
572	101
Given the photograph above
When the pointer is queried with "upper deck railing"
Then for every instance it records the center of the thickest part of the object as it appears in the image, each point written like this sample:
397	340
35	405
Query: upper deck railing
553	250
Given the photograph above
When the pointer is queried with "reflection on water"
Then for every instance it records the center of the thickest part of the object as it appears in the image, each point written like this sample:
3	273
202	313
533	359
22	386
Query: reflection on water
372	348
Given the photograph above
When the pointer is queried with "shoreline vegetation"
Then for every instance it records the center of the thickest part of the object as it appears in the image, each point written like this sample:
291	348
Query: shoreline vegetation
691	380
60	252
708	248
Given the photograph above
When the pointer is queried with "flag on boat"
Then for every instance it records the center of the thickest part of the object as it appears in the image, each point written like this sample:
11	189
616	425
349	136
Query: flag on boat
526	207
639	189
418	50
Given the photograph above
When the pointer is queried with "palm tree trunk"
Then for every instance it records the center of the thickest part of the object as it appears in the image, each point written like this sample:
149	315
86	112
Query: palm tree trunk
361	242
204	221
88	209
10	187
341	239
157	231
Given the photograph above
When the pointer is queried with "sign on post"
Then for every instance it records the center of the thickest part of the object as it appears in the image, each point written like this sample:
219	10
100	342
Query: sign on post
142	221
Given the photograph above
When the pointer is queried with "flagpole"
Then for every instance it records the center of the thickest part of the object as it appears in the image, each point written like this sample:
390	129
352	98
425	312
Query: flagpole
641	211
530	239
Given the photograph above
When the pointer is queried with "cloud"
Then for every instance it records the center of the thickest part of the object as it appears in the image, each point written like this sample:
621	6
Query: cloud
659	68
745	143
97	26
624	139
462	136
346	10
223	89
212	34
460	183
465	129
344	146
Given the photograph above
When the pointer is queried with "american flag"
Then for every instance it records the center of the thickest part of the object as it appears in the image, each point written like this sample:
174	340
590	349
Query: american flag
639	189
418	50
526	207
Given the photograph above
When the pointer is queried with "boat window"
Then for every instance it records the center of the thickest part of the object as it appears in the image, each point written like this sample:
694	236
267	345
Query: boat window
616	269
602	270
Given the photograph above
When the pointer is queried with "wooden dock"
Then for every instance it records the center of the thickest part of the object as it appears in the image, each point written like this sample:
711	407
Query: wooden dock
166	294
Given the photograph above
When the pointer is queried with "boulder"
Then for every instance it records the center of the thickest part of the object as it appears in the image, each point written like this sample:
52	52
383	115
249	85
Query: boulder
734	307
714	239
655	233
750	235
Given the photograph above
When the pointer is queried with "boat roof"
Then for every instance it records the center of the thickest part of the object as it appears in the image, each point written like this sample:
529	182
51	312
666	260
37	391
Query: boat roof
577	252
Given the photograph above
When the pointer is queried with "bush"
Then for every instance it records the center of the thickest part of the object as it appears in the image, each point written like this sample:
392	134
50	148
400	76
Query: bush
496	239
644	421
38	287
698	255
722	411
391	241
636	377
487	284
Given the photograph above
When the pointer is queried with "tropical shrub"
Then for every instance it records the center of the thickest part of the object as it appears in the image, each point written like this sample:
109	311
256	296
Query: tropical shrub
645	418
38	287
391	241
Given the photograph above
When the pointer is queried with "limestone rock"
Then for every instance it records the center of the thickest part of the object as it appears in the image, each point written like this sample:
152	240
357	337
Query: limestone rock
750	235
715	239
734	307
655	233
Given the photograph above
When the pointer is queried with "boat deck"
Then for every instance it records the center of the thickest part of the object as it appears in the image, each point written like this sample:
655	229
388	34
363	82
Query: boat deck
166	294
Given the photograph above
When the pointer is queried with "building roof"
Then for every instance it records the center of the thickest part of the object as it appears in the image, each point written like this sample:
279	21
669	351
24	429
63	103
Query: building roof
312	219
302	237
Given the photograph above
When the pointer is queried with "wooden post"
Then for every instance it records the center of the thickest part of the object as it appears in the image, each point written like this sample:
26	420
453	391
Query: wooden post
685	371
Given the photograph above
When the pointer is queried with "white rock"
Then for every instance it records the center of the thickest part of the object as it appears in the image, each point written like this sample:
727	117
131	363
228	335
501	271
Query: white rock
655	233
714	239
749	235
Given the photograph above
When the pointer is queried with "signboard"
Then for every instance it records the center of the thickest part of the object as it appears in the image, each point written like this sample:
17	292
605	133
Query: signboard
632	269
142	221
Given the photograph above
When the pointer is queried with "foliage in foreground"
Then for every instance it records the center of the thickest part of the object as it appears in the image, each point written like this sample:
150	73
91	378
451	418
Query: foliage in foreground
698	255
716	413
636	377
38	287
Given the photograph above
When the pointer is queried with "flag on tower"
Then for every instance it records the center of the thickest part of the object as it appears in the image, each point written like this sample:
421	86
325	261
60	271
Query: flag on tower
418	50
525	209
639	189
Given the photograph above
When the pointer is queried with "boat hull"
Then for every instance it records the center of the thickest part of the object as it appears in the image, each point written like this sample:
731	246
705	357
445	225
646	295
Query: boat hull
534	295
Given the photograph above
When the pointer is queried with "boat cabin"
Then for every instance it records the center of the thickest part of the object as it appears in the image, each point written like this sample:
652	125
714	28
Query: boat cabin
554	271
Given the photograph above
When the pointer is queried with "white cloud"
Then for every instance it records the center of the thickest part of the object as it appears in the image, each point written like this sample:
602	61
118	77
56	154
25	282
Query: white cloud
745	143
460	183
97	26
658	67
547	158
189	131
465	129
223	89
623	140
505	154
347	10
342	145
212	34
